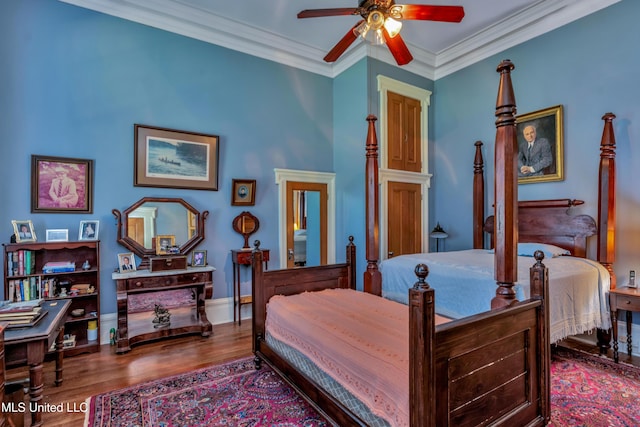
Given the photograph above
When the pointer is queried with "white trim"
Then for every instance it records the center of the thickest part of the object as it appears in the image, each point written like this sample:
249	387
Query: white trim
283	176
385	84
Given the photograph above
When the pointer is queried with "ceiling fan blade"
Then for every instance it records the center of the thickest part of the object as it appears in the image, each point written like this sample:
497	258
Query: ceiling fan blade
398	48
317	13
432	13
342	45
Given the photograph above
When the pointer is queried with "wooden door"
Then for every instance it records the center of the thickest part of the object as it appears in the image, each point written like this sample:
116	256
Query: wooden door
296	219
404	219
135	229
403	133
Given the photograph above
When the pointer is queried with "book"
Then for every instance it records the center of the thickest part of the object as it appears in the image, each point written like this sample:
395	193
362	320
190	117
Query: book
59	267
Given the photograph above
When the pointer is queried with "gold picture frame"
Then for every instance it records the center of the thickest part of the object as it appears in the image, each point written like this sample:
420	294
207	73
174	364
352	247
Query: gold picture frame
164	242
23	230
543	162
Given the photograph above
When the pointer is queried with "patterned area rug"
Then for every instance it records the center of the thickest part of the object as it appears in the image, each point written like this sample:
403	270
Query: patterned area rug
588	390
233	394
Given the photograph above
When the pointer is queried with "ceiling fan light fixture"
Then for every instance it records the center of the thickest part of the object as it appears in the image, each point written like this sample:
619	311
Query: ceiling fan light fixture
392	26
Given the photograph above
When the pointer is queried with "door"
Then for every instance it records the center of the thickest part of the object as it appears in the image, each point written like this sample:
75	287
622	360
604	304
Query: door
403	133
306	224
404	219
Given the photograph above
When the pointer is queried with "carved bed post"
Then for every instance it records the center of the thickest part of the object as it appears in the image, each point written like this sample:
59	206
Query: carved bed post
506	191
372	276
478	198
607	212
607	197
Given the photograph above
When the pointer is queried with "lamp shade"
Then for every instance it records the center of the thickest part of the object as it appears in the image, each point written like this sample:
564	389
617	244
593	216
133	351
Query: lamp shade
438	232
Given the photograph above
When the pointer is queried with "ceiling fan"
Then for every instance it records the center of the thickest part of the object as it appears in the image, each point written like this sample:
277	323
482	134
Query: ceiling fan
381	22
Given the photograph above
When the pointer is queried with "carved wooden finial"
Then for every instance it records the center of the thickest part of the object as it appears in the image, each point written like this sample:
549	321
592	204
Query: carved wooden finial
422	271
256	245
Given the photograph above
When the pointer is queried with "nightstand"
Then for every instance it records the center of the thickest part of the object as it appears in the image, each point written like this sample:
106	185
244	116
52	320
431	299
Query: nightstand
627	299
243	257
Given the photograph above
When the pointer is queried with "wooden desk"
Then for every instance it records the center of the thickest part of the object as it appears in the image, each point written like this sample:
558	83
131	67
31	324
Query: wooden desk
137	327
30	345
242	257
627	299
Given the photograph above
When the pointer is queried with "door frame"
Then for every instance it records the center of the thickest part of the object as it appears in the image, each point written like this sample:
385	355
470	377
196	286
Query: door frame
283	176
386	84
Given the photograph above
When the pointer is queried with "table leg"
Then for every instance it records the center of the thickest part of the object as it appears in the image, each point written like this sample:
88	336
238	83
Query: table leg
614	326
629	313
59	356
235	295
35	358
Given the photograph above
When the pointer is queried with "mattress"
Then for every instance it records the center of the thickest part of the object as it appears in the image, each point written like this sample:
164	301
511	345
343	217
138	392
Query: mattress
465	284
361	340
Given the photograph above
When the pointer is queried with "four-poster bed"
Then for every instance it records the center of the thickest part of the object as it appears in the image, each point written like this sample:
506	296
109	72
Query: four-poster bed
489	368
579	287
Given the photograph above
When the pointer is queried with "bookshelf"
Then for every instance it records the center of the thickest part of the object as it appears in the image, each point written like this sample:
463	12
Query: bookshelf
59	270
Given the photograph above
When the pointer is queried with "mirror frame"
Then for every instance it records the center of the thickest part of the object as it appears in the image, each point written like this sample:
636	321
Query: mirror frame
237	229
146	254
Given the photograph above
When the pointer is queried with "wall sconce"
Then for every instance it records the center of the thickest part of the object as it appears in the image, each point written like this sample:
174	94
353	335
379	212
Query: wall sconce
438	233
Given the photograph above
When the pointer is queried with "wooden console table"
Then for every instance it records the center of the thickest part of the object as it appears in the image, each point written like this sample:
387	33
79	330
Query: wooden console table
242	257
135	328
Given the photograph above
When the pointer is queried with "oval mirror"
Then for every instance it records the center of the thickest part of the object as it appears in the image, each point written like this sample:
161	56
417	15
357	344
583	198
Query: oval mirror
245	224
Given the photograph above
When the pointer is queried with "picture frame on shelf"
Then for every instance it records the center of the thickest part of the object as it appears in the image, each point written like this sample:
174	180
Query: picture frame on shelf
126	262
61	185
164	242
243	192
88	230
161	157
199	258
57	235
23	231
545	129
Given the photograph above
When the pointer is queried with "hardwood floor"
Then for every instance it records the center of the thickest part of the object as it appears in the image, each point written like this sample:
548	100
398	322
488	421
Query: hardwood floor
90	374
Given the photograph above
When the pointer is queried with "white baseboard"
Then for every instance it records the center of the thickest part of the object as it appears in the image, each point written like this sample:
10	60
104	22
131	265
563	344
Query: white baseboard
218	310
591	338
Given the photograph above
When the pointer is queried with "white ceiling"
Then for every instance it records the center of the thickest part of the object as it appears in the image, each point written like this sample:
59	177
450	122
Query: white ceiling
270	29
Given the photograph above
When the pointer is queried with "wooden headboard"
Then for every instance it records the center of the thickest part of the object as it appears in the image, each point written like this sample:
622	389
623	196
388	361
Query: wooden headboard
550	221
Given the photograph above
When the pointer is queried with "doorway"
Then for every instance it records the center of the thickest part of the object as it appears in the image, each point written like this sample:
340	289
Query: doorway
306	202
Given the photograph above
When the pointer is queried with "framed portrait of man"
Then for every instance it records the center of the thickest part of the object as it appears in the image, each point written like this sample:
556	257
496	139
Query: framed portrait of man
540	146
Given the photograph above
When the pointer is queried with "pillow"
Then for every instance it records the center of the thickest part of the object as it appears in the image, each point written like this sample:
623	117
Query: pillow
550	251
528	249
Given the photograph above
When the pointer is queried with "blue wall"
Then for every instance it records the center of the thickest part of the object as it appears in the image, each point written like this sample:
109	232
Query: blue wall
591	67
74	82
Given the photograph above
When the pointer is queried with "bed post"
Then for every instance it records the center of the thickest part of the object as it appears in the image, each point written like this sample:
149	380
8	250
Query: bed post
258	308
607	197
539	288
351	260
607	212
506	191
422	330
478	198
372	276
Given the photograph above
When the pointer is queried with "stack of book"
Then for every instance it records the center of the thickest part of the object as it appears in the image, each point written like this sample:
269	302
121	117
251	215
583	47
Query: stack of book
58	267
21	314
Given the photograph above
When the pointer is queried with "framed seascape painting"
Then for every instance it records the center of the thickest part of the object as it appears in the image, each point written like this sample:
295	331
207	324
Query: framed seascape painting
61	185
540	146
175	159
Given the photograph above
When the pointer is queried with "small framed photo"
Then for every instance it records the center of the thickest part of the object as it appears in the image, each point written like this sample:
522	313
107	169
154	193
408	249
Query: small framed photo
126	262
57	235
23	230
199	258
164	242
88	230
243	192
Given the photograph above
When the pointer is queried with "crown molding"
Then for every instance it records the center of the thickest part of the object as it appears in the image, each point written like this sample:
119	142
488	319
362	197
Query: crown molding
173	16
